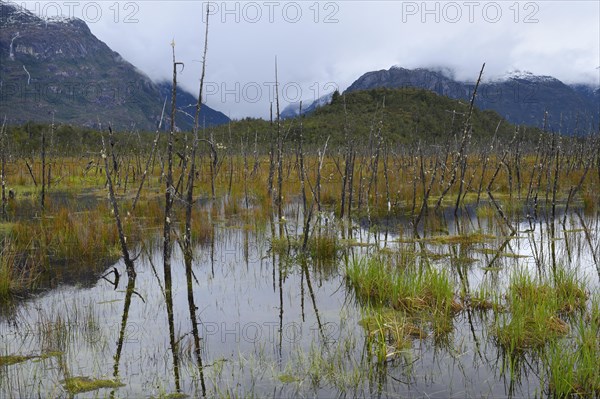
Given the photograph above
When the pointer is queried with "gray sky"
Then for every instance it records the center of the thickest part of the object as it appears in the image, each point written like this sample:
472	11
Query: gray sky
323	44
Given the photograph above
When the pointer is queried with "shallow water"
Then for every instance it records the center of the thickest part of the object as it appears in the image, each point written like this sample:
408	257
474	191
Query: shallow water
271	326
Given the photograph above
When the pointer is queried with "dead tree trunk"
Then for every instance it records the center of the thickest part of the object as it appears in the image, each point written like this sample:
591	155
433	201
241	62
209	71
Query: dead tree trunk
347	162
113	200
3	171
486	160
150	157
192	172
43	195
279	149
301	166
271	154
465	142
168	245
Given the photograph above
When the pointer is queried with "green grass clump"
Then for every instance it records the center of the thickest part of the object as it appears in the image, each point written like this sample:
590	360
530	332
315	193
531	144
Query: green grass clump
465	239
536	307
572	364
9	360
322	249
75	385
283	245
372	280
13	359
530	327
570	293
426	296
410	290
431	289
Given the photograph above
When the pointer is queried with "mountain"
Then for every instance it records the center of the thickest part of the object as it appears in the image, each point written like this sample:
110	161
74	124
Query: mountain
520	97
186	103
57	69
293	109
421	78
589	93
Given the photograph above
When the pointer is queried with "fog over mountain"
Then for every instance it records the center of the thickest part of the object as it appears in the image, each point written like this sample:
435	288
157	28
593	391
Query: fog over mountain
318	44
57	69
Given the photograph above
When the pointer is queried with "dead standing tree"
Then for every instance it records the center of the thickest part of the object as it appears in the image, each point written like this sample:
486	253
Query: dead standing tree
271	153
467	130
3	171
170	189
301	171
188	217
167	243
115	208
348	166
150	157
459	164
279	198
43	194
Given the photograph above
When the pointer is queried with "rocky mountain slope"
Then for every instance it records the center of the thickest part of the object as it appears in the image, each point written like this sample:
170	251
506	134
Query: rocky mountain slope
57	69
520	97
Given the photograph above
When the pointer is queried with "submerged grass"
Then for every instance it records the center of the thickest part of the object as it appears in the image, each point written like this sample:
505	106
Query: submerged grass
389	332
9	360
315	367
13	359
324	247
495	252
75	385
465	239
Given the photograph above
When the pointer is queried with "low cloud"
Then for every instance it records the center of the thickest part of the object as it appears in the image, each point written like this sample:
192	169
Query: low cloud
324	44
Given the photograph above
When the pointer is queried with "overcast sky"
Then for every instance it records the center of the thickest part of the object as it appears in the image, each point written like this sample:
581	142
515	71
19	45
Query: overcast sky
321	45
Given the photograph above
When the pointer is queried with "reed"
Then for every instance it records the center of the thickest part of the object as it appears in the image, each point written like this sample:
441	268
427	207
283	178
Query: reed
16	277
67	237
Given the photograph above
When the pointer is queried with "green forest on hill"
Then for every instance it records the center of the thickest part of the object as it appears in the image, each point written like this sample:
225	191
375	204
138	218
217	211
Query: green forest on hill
399	116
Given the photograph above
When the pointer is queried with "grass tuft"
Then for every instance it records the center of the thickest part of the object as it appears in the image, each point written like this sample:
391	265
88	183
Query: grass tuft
75	385
536	307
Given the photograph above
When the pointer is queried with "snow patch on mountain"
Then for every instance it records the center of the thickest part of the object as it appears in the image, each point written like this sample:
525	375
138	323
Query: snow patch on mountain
518	74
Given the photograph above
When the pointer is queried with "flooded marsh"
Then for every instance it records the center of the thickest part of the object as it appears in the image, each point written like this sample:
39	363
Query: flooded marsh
471	313
276	280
